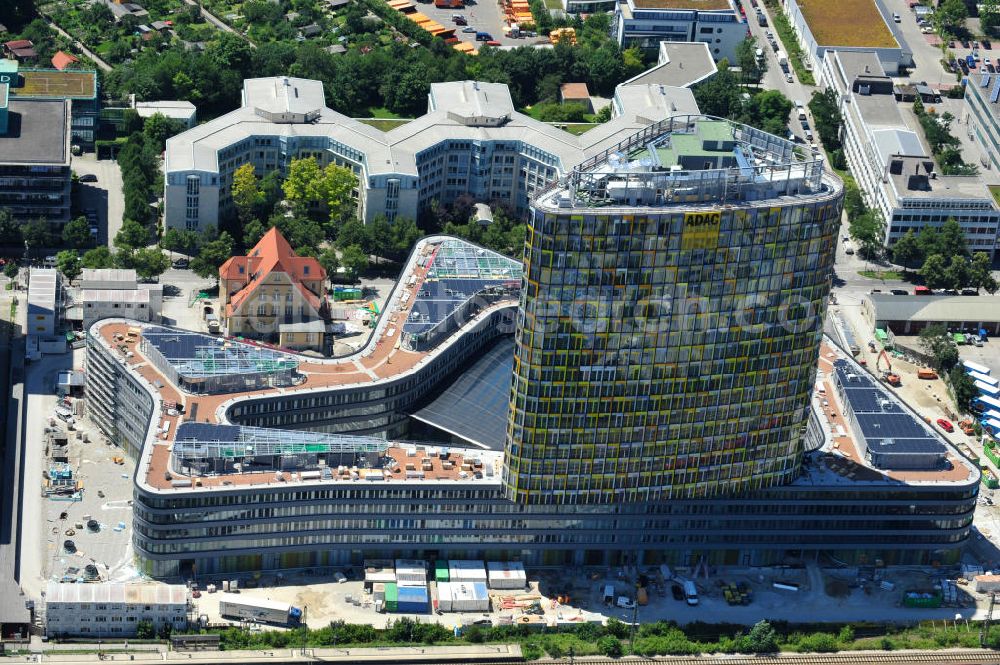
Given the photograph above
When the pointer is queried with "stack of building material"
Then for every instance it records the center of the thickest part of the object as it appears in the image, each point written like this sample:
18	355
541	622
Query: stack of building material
462	570
463	597
507	575
411	573
378	571
412	600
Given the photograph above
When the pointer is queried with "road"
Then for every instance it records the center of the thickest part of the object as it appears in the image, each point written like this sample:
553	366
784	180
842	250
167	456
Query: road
774	78
105	195
219	23
83	49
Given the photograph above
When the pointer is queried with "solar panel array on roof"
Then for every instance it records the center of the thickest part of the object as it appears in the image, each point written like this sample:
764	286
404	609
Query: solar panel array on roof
995	95
985	82
194	355
892	436
476	405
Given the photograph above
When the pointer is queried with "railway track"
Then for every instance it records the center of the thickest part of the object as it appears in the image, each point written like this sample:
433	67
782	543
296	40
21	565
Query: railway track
949	657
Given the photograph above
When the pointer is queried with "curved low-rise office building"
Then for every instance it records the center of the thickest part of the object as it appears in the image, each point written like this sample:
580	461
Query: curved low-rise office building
297	469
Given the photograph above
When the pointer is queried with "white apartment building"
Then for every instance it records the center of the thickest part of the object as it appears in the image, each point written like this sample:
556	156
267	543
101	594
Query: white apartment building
646	23
112	609
891	164
471	141
982	116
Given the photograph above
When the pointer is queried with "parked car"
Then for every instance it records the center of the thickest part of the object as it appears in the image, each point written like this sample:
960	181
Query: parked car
469	29
986	61
896	18
970	292
900	292
88	177
987	45
493	42
677	592
788	77
945	425
181	264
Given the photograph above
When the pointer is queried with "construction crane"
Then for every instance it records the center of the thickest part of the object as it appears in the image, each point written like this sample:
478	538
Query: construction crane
887	375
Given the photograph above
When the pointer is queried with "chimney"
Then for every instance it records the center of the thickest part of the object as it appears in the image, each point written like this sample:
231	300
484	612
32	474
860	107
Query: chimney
867	71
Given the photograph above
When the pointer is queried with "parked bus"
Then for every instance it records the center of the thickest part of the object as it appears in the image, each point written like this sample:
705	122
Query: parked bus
987	389
985	403
985	378
971	366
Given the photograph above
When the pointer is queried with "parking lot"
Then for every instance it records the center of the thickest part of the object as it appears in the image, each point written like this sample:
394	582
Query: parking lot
104	195
483	16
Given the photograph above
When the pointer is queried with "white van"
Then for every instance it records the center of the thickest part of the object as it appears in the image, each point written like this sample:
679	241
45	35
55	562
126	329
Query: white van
690	592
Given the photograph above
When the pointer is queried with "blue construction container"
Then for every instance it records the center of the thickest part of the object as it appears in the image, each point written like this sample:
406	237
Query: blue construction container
412	600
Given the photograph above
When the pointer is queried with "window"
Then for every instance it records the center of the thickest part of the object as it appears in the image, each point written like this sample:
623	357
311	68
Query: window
305	270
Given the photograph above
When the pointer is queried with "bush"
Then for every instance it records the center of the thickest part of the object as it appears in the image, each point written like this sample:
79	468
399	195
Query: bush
762	638
610	646
617	629
819	643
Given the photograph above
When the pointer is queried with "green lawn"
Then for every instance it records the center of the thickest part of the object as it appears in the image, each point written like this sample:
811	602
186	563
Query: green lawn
381	112
995	191
553	4
882	274
384	124
579	127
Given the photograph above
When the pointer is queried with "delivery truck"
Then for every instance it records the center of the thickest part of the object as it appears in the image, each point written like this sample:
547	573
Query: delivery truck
232	606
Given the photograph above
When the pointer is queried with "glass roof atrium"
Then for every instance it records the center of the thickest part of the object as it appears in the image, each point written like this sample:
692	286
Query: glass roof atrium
203	448
205	364
461	279
690	160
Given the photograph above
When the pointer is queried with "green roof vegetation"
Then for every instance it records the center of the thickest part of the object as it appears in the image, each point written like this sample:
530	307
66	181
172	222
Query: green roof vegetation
847	23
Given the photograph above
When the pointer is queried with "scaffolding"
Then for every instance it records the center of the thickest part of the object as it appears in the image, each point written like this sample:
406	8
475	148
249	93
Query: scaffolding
202	449
205	364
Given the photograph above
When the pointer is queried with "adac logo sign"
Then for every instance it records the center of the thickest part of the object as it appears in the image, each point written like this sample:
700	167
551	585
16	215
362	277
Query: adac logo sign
701	230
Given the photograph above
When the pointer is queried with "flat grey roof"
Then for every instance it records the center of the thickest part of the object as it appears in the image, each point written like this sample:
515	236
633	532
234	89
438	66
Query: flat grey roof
857	63
682	65
935	308
451	105
879	110
38	133
949	187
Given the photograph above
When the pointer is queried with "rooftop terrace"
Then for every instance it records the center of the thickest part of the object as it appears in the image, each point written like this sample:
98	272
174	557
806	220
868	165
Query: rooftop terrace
382	357
689	160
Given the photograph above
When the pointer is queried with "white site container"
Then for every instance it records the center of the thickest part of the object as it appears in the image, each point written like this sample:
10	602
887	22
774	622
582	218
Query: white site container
411	572
506	575
462	570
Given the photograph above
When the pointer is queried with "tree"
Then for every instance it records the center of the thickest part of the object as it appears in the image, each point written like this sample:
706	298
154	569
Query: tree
867	230
352	233
246	193
76	233
405	235
951	239
354	260
253	231
183	241
752	67
951	15
825	108
302	173
957	273
935	271
610	646
10	230
762	638
144	630
158	128
964	387
11	269
989	17
36	234
906	250
720	95
68	263
149	262
768	110
212	255
936	343
99	257
131	235
380	237
330	261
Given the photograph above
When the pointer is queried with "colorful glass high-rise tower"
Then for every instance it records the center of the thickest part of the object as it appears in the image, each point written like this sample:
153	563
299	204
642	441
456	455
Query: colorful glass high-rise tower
675	288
